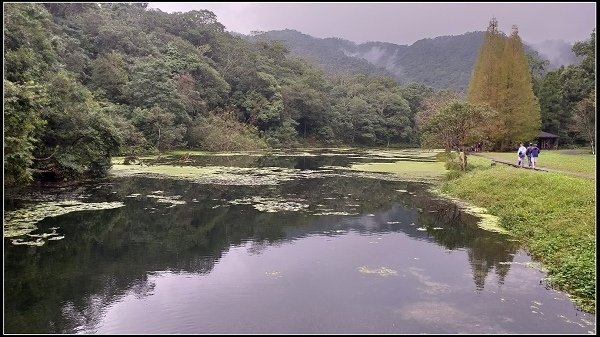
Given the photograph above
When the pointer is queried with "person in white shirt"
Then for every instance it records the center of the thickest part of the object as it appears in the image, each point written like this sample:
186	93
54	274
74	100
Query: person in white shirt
521	155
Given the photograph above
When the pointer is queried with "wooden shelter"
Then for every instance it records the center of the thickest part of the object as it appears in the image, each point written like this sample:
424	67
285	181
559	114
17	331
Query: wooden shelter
546	140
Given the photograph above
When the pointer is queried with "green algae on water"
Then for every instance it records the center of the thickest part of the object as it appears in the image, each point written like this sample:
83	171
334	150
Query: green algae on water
218	175
173	200
21	222
331	212
272	205
487	221
408	170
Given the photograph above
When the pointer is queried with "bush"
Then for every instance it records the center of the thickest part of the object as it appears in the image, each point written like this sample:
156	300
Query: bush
223	132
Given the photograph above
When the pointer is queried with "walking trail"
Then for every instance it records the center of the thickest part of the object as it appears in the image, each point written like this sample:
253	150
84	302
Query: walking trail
542	169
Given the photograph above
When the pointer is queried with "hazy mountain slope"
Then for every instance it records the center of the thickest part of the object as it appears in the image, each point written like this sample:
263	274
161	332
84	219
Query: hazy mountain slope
327	53
441	62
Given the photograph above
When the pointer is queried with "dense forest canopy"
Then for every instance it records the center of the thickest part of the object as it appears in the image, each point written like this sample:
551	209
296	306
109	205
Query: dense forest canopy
87	81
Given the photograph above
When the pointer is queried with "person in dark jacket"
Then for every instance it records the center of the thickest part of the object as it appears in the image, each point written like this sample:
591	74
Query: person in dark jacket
528	154
535	151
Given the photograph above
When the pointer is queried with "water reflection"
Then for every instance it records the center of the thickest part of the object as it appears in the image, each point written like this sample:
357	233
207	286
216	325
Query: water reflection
66	286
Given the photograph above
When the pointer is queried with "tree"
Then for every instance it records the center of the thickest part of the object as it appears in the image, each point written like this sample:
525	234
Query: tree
28	56
518	107
78	140
306	98
537	68
456	125
431	105
109	74
502	79
29	51
587	49
584	112
222	131
560	93
22	123
485	78
415	94
584	119
159	127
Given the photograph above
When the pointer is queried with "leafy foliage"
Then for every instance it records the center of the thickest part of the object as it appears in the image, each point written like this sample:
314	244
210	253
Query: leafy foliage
224	132
456	124
566	97
501	78
21	122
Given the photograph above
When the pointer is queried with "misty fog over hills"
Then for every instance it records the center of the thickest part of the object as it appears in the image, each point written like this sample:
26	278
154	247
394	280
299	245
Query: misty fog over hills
441	62
558	52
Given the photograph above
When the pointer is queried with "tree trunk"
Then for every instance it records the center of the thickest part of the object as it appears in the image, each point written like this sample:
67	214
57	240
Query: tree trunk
158	141
592	141
462	155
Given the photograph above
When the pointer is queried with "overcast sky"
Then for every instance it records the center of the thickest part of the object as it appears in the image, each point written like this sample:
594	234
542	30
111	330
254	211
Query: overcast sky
402	23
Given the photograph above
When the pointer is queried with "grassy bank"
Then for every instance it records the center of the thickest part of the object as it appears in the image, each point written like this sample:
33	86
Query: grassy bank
552	213
563	160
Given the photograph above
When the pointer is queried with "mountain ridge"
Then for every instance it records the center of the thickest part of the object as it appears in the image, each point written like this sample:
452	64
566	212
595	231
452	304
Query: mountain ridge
443	62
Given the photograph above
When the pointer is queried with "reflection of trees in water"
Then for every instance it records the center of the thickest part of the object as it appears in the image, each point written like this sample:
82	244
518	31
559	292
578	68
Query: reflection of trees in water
270	160
485	249
311	162
109	254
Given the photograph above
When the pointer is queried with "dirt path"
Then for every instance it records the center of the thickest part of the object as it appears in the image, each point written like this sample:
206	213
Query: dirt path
543	169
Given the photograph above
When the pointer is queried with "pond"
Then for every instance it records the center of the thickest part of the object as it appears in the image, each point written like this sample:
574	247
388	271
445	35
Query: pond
296	242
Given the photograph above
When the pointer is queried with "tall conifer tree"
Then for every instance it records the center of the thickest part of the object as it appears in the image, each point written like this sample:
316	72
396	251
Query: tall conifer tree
518	104
501	79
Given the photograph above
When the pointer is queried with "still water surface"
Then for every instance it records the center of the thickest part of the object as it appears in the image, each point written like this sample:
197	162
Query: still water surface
324	252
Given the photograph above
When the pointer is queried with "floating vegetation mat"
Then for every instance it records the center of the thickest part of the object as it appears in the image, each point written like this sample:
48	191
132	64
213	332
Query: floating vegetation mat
273	273
272	204
279	204
23	221
327	212
412	171
381	271
408	165
528	264
218	154
406	153
218	175
487	221
407	170
173	200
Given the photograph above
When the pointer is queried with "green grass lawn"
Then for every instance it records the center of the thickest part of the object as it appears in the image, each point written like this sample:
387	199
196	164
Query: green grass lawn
552	213
564	160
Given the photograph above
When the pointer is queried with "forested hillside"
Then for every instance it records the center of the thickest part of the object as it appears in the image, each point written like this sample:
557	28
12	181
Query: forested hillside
334	55
85	81
443	62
